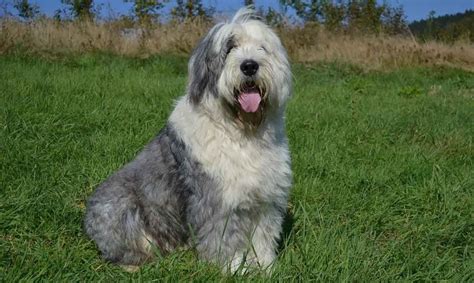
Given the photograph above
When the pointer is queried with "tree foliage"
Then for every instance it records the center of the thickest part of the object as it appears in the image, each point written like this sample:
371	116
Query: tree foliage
273	17
190	9
249	2
350	15
80	9
447	28
25	9
147	11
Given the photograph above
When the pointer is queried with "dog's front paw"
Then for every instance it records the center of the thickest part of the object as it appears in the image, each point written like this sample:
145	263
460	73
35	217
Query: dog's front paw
130	268
244	263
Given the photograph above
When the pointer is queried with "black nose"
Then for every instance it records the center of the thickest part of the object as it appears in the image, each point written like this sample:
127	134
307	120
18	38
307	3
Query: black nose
249	67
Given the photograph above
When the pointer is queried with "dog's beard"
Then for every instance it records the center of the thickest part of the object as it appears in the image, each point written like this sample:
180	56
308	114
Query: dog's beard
249	104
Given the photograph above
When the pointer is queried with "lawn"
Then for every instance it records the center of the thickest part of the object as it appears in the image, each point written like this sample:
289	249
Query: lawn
383	168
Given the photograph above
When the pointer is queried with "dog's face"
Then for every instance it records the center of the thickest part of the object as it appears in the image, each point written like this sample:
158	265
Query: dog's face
242	65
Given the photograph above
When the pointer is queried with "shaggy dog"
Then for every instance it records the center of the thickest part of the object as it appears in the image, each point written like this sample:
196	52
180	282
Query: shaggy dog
217	176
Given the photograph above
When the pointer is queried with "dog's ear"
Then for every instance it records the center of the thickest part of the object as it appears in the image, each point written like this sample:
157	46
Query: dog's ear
205	65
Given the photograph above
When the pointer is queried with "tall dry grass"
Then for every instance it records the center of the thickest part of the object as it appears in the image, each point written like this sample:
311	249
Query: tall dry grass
304	44
49	36
315	44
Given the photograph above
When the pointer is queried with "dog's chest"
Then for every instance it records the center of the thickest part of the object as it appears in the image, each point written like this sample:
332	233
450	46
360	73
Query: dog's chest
248	173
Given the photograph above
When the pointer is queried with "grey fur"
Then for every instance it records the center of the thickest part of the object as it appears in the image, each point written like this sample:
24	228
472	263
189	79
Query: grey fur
167	195
164	197
147	195
205	67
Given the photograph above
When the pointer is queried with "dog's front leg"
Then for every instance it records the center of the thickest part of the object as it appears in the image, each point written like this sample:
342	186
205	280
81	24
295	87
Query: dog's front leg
224	239
266	236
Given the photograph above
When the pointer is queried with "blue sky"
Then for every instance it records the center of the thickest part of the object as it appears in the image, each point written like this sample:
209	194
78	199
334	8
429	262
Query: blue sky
414	9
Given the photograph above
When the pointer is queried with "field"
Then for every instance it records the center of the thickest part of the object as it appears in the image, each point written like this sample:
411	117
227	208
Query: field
383	168
305	44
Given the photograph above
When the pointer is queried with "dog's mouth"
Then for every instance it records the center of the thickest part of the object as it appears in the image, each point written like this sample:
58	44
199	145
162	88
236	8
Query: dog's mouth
250	97
250	101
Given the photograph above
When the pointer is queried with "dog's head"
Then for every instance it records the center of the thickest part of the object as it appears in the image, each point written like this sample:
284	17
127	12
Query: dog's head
243	66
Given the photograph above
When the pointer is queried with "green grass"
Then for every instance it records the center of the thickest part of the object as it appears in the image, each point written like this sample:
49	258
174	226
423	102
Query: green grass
383	169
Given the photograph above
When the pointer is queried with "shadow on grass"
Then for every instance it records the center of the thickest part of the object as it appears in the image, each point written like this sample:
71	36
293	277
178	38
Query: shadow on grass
287	231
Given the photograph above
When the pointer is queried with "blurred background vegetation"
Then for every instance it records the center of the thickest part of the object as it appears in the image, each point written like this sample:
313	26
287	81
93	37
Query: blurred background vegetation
363	32
340	16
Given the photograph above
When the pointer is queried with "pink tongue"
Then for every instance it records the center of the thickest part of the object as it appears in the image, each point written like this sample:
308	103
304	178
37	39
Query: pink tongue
249	101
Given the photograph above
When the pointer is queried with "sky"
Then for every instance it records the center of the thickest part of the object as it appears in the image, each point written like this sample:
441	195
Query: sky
414	9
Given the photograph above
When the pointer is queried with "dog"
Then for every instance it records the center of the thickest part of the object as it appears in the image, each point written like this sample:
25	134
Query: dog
217	176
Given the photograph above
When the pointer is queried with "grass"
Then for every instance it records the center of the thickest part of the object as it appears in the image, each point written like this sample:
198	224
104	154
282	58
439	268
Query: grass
383	169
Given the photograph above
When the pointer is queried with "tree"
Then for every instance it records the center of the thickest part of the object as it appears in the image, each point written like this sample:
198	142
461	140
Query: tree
373	15
334	14
354	14
366	16
25	9
431	23
190	9
394	20
272	17
447	28
249	2
147	11
81	9
309	11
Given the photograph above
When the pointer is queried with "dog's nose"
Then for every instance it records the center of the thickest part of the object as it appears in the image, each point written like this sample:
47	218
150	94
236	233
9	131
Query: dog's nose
249	67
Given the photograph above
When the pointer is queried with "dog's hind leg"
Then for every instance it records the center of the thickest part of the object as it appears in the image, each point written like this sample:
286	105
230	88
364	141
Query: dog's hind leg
115	222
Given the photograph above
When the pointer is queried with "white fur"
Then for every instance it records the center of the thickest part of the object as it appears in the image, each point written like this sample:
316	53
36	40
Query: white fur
248	167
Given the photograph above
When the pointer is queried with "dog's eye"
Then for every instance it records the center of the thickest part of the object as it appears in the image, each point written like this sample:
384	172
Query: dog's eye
229	45
262	48
229	49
